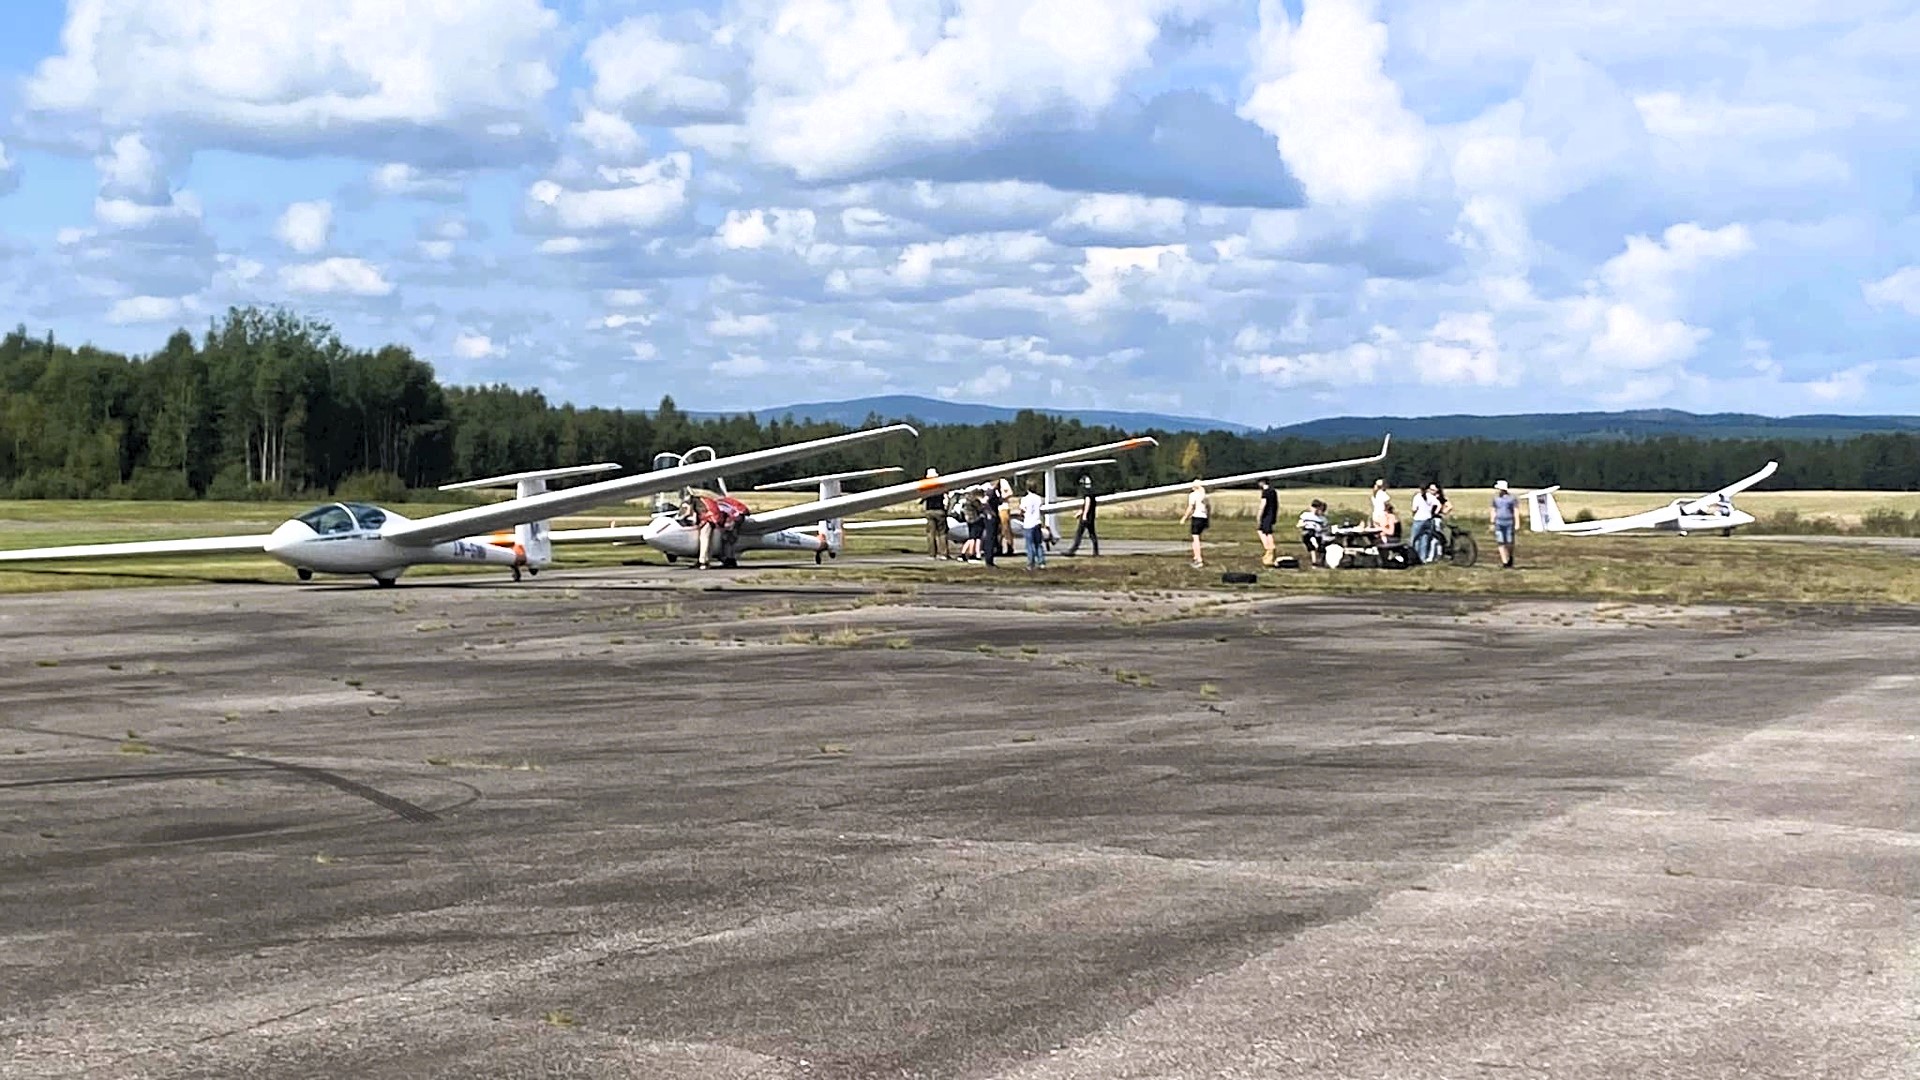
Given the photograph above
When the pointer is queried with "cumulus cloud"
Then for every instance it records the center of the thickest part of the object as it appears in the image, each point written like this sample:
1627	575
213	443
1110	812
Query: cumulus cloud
446	82
305	226
637	198
150	309
845	87
473	346
337	276
1341	122
1900	289
1259	211
402	180
642	73
9	171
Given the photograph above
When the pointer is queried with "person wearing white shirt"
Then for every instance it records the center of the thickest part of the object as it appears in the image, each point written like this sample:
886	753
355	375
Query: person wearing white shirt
1195	517
1034	521
1381	496
1313	532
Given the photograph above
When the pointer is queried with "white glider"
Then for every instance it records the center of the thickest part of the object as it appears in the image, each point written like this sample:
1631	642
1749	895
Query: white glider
1714	510
817	526
356	538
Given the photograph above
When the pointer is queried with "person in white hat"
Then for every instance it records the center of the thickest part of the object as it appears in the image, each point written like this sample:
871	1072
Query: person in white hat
1505	511
935	506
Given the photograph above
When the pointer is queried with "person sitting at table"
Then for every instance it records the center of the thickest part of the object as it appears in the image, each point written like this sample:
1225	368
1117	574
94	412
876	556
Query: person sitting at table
1388	523
1313	532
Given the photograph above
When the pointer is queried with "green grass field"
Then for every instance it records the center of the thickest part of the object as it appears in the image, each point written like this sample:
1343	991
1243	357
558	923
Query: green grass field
1654	567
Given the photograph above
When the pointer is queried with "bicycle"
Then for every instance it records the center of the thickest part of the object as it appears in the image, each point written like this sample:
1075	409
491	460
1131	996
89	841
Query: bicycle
1454	544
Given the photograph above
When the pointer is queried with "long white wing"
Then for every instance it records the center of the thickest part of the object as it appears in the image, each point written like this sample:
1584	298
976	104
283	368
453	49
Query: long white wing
1706	502
202	545
609	534
1227	481
505	515
1645	520
842	505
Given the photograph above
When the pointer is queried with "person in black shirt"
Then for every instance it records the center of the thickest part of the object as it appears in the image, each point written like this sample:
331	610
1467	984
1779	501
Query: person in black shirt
1089	508
990	525
1269	515
936	509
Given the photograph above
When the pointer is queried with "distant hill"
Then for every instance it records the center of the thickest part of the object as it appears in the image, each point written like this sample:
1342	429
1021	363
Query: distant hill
1591	426
933	411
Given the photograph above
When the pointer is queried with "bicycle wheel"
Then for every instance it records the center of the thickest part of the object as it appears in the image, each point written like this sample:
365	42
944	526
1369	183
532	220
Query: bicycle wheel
1465	551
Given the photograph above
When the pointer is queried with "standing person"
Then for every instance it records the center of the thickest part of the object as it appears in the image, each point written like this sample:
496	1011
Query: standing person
1005	490
935	507
1442	506
1425	506
1196	518
1031	516
990	525
1380	497
995	522
972	511
1089	507
1504	505
1269	516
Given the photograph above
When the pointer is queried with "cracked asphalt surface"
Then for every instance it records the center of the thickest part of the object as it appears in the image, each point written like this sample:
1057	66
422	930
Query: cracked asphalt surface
615	824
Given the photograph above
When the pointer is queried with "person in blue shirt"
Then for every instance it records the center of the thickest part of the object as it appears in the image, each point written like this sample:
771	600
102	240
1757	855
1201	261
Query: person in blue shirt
1505	509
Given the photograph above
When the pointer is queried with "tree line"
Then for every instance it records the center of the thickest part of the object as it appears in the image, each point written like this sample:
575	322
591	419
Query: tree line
269	404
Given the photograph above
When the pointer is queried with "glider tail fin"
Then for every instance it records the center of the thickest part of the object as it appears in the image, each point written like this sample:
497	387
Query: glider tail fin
1543	513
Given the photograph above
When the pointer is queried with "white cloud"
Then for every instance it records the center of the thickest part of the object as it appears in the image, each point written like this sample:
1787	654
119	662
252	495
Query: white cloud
993	381
739	365
1359	362
117	213
303	73
1121	218
1673	115
473	346
646	75
130	169
1899	289
637	198
847	86
305	226
781	229
1651	272
397	178
150	309
1340	121
338	276
610	136
1849	384
727	324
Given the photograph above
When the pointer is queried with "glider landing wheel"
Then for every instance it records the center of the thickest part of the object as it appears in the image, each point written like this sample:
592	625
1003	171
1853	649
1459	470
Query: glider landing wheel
673	558
385	582
303	574
731	564
819	557
1465	551
534	570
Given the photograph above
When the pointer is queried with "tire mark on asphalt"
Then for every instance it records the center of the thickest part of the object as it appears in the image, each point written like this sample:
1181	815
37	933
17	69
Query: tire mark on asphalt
393	804
152	774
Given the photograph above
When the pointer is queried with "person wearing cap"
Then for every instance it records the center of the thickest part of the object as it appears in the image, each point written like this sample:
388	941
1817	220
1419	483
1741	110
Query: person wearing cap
935	506
1505	508
1089	507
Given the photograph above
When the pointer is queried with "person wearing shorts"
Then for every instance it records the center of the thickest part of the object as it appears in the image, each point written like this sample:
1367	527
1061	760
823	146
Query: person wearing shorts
1504	516
1195	518
1269	517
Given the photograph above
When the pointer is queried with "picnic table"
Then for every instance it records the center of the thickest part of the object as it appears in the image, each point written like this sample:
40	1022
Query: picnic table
1362	546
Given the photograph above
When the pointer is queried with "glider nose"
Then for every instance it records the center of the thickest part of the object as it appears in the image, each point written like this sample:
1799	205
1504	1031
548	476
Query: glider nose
290	534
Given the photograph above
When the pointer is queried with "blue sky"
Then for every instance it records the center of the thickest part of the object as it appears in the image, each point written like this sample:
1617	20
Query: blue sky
1259	211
